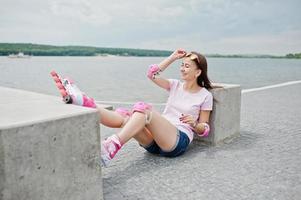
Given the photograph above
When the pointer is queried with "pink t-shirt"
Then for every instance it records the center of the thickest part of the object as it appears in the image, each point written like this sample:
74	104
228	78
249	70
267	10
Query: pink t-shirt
181	101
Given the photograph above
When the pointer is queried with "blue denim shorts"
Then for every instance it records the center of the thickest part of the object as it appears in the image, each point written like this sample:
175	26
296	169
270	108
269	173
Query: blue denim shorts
180	147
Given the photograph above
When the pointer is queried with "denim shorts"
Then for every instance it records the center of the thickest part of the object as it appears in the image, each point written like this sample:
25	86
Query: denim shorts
180	146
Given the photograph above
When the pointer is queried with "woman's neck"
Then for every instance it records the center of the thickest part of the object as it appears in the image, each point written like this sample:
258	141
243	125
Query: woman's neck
191	86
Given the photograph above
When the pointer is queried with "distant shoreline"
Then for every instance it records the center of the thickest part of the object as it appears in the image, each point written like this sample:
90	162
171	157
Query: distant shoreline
207	55
7	49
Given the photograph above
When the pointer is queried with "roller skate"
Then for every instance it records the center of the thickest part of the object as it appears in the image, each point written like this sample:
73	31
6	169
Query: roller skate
71	93
109	148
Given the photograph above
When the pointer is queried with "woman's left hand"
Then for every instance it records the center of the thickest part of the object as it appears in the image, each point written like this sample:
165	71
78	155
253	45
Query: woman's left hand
188	119
178	54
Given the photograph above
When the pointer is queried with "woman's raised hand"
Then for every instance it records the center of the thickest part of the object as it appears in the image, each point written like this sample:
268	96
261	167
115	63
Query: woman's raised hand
178	54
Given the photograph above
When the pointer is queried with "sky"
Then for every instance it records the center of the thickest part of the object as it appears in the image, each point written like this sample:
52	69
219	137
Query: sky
207	26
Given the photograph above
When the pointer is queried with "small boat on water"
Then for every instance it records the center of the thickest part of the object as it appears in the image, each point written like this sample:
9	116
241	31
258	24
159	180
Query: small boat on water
19	55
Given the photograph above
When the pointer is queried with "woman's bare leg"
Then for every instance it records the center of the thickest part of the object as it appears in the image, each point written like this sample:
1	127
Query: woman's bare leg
110	118
144	137
163	132
115	120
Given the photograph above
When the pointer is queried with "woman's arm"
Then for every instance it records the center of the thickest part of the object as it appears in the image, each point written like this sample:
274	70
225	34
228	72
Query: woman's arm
162	82
199	126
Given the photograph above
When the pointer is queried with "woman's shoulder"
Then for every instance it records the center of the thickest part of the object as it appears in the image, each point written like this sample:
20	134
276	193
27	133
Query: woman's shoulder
172	80
174	83
205	92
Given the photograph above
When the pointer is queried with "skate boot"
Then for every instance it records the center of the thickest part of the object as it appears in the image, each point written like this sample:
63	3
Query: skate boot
109	148
71	93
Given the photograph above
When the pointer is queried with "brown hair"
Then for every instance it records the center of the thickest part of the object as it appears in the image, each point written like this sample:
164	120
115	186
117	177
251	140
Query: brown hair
201	62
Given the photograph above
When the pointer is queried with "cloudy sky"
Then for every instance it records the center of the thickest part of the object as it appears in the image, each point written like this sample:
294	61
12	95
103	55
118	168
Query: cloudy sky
209	26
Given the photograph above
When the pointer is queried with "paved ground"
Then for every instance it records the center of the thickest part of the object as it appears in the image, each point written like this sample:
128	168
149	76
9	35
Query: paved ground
263	163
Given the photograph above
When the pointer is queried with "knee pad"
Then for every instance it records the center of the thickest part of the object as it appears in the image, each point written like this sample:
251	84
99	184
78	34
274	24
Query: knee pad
124	113
153	71
145	109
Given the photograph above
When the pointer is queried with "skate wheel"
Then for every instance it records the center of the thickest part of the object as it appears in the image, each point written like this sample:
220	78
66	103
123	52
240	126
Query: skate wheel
60	85
57	80
67	99
53	73
63	92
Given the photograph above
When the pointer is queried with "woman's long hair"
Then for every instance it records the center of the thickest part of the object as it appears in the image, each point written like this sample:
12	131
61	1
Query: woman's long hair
201	62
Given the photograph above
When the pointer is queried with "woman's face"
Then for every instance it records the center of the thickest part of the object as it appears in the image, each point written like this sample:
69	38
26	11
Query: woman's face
189	70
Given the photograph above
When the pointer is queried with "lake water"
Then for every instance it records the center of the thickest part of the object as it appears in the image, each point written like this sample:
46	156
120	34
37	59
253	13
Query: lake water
124	78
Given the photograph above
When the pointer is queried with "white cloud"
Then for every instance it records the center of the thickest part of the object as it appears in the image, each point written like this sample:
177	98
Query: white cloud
281	43
215	26
84	11
100	12
276	44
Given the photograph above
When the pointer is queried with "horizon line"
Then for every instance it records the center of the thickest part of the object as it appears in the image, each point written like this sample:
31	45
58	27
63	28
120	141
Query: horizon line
208	54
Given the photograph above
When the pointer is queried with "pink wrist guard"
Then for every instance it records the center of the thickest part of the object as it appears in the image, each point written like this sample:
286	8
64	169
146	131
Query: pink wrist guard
206	131
153	71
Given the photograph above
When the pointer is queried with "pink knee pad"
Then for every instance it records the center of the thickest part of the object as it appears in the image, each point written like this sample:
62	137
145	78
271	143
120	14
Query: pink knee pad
153	71
143	108
123	112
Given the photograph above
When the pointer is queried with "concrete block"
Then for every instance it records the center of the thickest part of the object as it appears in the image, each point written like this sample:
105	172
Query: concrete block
225	116
48	150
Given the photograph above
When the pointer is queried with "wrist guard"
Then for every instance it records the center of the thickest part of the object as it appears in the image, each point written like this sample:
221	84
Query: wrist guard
153	71
206	131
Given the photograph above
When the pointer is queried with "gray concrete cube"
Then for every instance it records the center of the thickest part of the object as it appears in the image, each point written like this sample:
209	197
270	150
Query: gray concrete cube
225	116
48	150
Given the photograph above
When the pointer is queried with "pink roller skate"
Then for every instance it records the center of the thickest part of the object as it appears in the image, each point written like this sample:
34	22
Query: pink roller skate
109	148
71	93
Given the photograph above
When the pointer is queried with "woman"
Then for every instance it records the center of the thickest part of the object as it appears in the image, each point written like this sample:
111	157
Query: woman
187	111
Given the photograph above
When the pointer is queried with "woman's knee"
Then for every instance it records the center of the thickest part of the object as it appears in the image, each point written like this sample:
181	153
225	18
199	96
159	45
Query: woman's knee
144	108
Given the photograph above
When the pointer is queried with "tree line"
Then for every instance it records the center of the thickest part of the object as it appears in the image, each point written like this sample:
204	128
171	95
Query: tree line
49	50
294	55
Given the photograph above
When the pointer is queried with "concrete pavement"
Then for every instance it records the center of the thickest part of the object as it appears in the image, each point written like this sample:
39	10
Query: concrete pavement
263	163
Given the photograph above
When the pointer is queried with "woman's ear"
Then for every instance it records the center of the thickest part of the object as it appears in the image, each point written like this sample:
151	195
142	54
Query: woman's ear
198	73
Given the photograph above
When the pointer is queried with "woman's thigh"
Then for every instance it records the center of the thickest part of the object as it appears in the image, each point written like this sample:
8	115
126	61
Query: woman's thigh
110	118
163	132
144	137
